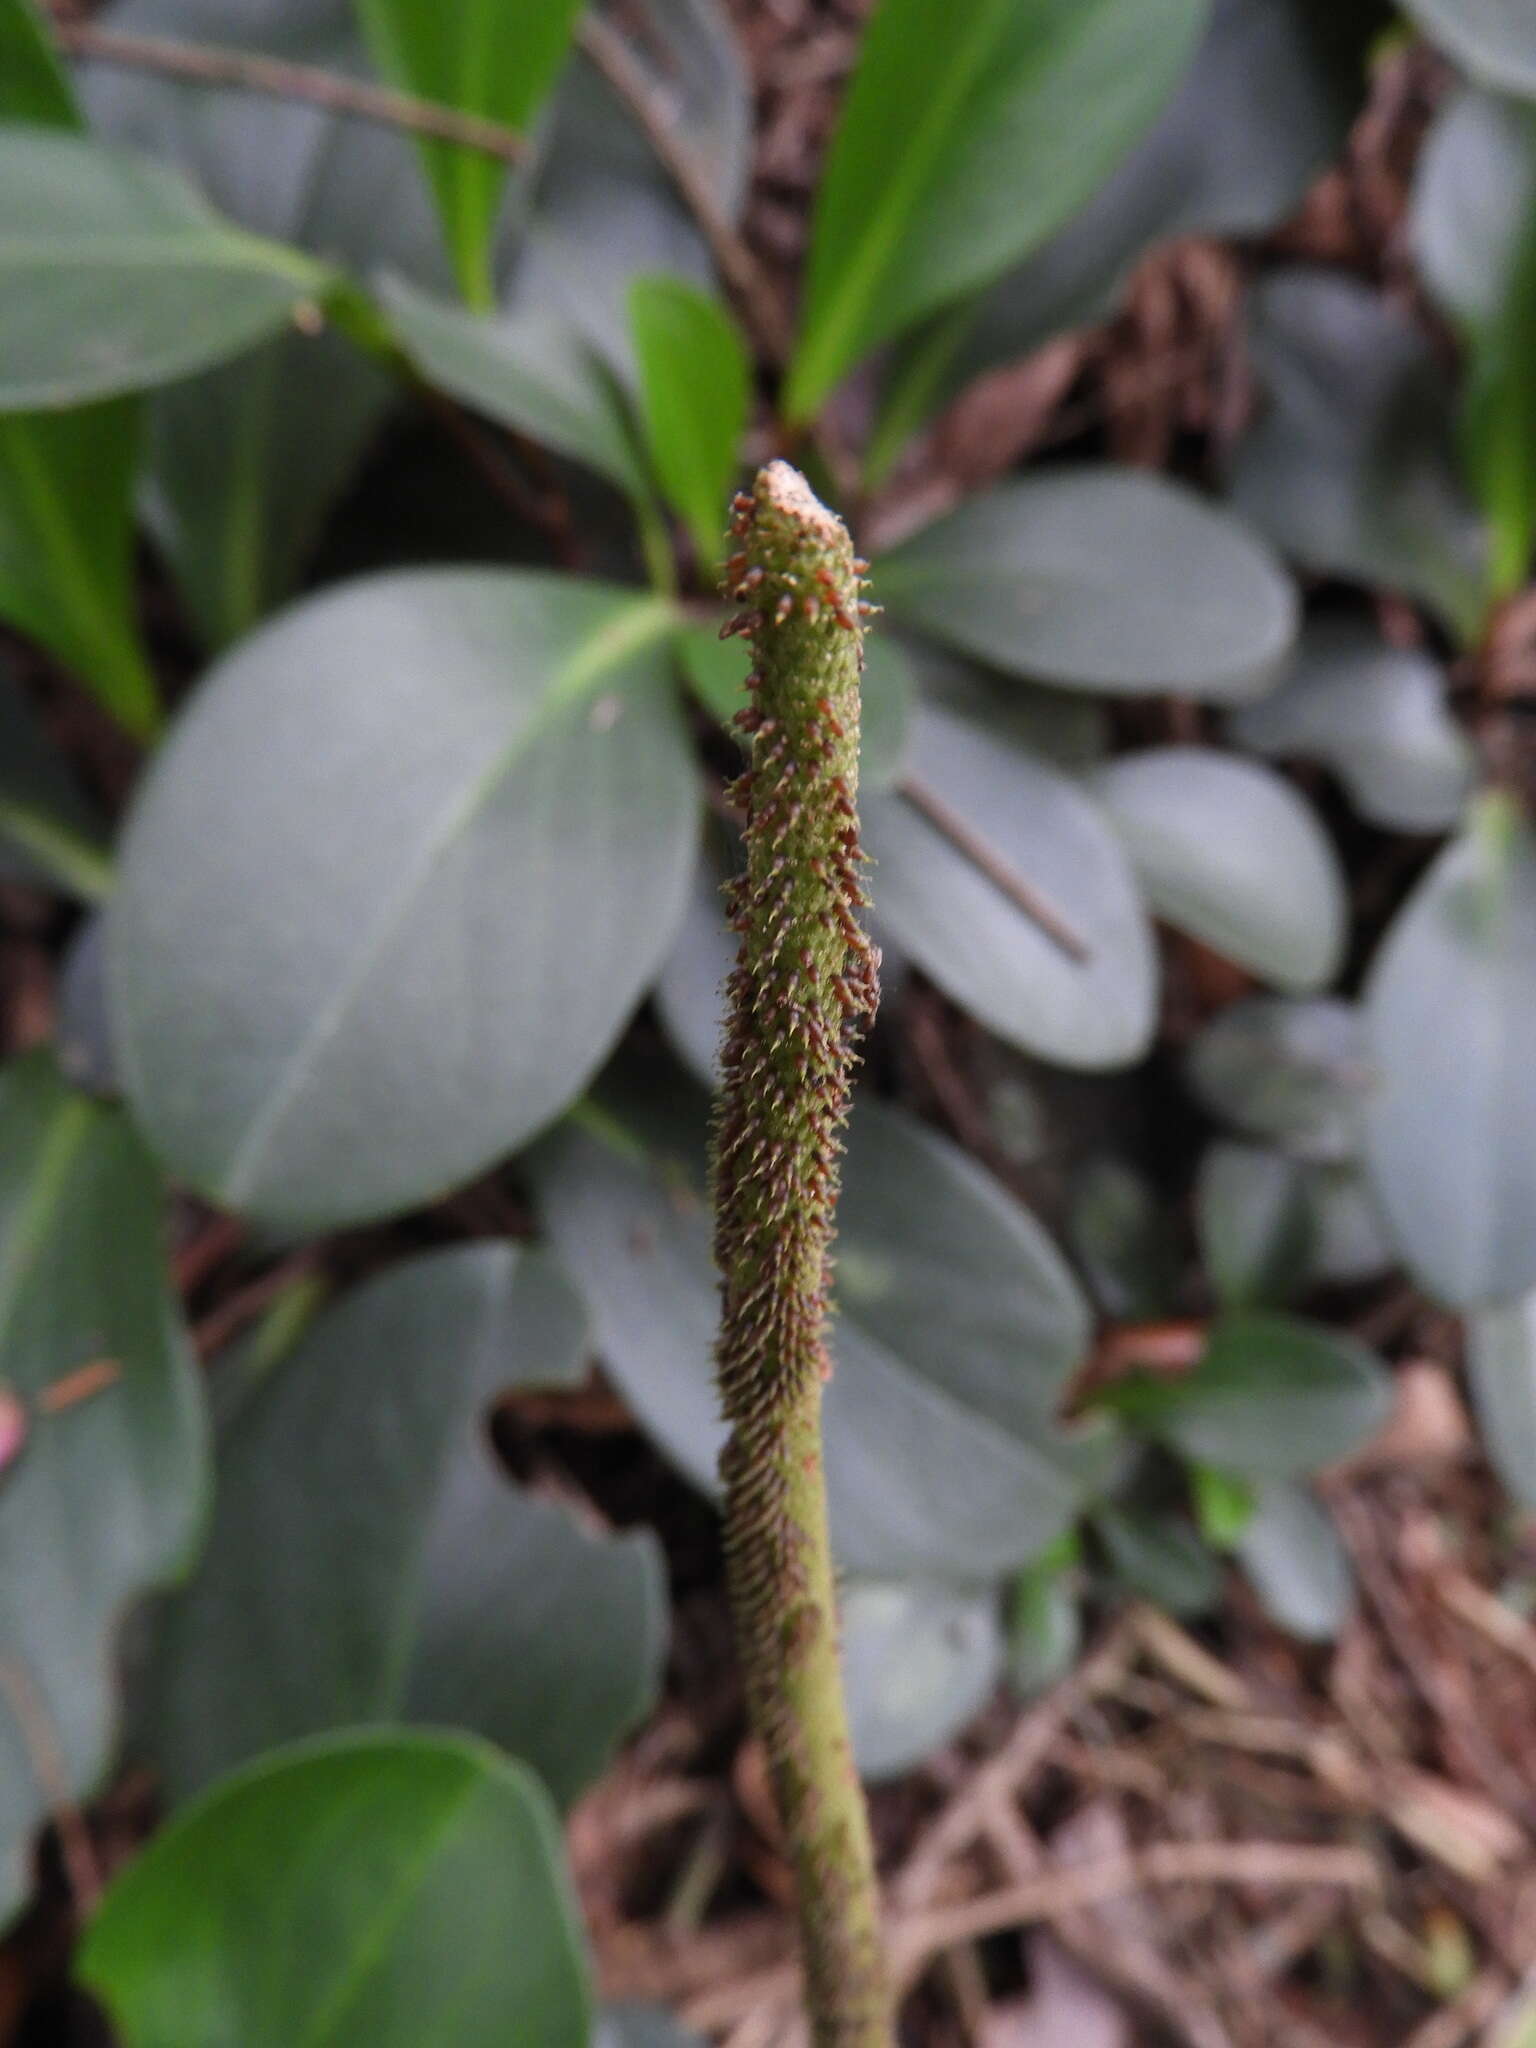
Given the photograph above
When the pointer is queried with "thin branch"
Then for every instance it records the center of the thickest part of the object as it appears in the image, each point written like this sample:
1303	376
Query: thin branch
249	71
944	818
739	268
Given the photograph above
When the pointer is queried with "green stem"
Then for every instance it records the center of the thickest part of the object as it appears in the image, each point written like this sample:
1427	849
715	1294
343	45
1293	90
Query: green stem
805	974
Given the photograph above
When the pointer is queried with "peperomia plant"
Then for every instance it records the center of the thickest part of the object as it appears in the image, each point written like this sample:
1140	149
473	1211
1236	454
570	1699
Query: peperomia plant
371	377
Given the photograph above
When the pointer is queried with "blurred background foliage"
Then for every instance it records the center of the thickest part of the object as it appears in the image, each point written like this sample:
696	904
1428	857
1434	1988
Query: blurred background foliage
372	382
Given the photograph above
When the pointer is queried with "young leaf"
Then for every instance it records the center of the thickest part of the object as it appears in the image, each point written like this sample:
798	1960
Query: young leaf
919	1662
944	1457
368	1891
66	547
33	86
494	58
1234	855
47	829
1451	1121
969	931
695	386
104	1496
1264	106
396	1574
115	275
1272	1396
464	803
966	138
1045	1619
1100	579
1377	716
1350	463
1495	40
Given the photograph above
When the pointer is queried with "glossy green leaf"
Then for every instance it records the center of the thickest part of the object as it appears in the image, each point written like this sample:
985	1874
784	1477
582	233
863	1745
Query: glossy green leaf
1263	107
115	275
493	58
1297	1564
918	1663
395	1573
1377	716
1099	579
1223	1505
395	883
1451	1121
66	547
968	932
1501	1366
967	138
1271	1397
33	86
695	389
957	1325
104	1498
48	831
528	371
1286	1069
1493	39
1254	1223
1234	855
373	1890
1350	464
1160	1557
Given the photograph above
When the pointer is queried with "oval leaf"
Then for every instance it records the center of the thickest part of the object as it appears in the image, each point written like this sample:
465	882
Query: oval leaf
396	1573
918	1664
966	138
1451	1123
956	1328
1255	1225
1099	579
976	820
115	275
1377	716
1493	39
105	1497
392	889
1271	1397
1233	855
372	1891
1291	1551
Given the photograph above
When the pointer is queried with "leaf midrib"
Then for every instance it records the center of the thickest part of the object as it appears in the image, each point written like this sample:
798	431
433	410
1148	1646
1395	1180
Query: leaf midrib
623	637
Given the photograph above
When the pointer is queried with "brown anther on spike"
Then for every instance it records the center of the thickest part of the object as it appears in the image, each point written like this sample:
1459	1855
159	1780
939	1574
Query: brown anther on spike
783	608
743	622
860	566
